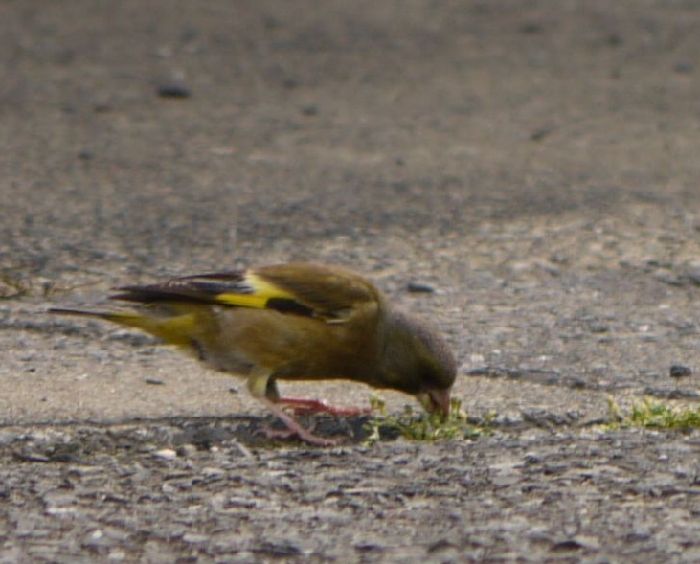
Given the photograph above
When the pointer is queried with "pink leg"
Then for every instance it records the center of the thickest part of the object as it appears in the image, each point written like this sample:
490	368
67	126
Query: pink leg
303	406
294	428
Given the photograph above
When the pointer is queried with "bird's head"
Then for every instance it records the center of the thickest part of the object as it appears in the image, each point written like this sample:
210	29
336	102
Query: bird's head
417	361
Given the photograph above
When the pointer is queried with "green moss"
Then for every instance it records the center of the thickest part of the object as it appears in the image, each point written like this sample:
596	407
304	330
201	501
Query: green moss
423	427
654	415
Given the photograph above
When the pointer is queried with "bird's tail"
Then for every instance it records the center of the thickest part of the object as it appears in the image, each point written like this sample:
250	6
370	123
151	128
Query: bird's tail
175	330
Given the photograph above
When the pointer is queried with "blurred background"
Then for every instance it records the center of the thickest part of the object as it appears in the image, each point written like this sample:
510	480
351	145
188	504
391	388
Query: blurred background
533	164
197	135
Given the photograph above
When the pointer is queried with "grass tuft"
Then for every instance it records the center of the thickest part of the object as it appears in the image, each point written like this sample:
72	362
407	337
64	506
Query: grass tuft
425	426
654	415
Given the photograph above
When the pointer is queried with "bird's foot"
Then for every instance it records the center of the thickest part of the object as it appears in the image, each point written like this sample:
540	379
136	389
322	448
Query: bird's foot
294	428
303	406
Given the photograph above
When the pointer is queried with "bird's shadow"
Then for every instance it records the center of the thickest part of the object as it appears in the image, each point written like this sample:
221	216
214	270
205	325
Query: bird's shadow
176	437
206	433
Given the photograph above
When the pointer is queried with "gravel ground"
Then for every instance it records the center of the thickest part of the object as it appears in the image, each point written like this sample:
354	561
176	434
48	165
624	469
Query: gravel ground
145	492
534	165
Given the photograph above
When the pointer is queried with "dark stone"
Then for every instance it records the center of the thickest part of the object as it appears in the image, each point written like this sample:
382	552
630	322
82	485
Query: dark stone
419	288
679	371
174	90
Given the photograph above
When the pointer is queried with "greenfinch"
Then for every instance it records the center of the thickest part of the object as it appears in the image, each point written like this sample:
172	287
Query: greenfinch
295	321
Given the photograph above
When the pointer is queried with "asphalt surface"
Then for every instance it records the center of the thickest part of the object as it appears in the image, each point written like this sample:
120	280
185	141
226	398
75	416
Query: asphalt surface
534	165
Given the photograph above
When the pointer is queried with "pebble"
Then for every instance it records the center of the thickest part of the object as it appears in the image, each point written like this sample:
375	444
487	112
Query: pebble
187	450
419	288
195	538
165	454
174	90
154	382
211	472
540	133
679	371
683	67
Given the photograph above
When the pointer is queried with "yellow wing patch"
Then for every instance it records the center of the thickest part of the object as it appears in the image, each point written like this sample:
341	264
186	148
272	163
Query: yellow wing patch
261	291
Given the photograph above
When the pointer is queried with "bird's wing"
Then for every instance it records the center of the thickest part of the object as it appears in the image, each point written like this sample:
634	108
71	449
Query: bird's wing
327	293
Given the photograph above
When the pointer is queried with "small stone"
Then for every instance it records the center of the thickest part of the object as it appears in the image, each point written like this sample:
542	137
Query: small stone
420	287
154	382
85	470
95	539
368	547
568	545
195	538
240	503
165	454
540	133
186	451
587	541
683	67
212	472
61	511
280	548
174	90
531	28
679	371
440	546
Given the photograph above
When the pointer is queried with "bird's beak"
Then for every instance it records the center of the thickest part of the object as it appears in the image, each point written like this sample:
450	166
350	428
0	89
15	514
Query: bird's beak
435	401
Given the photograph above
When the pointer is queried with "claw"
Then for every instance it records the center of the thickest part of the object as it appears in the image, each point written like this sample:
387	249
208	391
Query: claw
294	428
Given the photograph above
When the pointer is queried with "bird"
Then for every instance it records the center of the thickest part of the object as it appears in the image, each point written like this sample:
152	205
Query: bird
292	321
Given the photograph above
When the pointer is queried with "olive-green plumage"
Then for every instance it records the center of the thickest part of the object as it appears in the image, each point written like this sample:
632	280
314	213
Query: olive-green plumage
295	321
